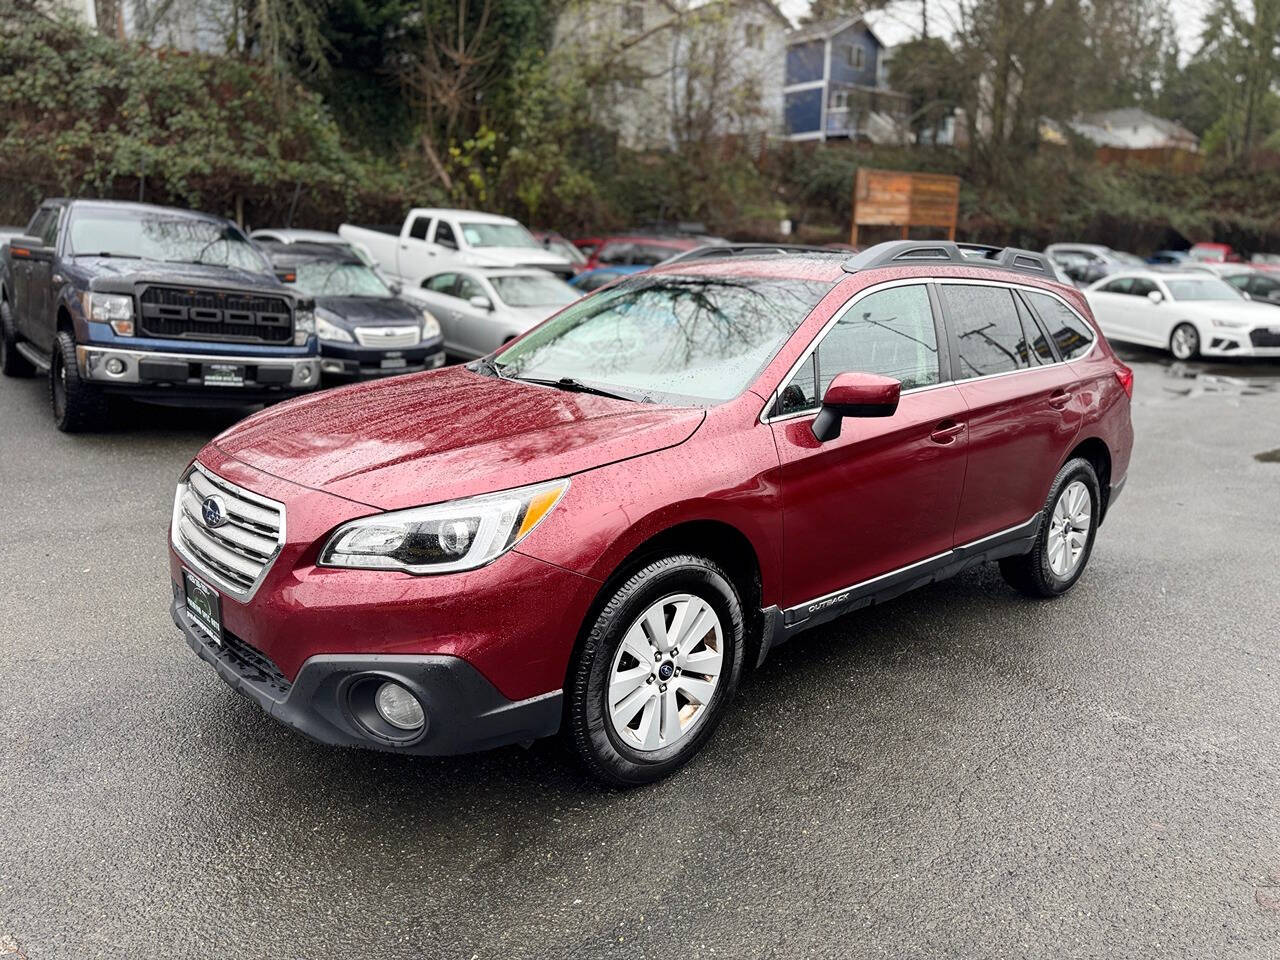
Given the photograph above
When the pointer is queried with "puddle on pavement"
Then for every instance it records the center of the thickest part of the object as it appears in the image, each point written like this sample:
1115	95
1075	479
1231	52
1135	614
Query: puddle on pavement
1268	456
1193	380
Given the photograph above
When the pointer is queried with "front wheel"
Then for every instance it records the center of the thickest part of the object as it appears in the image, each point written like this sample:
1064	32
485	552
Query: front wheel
78	406
656	671
1184	342
1068	524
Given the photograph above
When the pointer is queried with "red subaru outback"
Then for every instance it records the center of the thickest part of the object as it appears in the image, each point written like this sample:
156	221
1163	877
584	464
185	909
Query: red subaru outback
597	528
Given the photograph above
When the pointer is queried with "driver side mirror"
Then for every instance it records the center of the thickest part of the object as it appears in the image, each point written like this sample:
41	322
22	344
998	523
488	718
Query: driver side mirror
480	303
855	395
28	248
1156	297
396	287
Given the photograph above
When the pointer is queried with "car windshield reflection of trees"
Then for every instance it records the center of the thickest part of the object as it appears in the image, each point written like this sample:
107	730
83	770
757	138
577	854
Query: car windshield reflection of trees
168	239
684	340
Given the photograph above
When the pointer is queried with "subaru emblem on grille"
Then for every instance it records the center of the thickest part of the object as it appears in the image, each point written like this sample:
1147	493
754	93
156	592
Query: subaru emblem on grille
213	511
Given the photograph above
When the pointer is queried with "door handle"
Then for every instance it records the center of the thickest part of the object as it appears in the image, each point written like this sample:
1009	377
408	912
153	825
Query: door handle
1059	399
946	431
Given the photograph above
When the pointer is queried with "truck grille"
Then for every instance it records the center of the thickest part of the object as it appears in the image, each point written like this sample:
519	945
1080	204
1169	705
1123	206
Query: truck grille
237	553
1264	338
390	338
192	314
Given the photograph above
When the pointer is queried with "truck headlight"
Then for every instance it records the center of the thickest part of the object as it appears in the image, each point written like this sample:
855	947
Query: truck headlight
332	332
445	537
430	326
113	308
304	325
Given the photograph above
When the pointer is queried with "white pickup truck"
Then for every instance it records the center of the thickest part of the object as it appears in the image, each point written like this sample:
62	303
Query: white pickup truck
431	241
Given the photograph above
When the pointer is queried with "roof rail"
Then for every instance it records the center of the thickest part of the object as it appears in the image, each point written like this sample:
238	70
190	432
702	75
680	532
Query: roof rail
910	253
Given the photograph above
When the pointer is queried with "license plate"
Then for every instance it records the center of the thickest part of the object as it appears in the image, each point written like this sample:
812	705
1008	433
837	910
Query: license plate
394	363
224	375
204	605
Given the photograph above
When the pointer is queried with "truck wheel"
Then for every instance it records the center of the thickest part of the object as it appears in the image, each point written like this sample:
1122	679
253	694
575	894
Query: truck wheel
656	671
1068	524
78	406
12	363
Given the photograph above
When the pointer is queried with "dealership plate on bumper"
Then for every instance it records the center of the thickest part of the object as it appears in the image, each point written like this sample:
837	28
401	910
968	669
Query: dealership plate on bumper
204	605
224	374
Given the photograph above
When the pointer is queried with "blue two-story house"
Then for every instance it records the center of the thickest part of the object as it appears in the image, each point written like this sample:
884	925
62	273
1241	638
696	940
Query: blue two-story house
835	85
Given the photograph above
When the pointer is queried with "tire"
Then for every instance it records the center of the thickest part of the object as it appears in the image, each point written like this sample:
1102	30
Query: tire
78	406
12	363
687	697
1053	565
1184	342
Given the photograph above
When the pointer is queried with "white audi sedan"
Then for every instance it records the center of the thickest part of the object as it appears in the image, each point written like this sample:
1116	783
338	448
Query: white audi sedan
1190	314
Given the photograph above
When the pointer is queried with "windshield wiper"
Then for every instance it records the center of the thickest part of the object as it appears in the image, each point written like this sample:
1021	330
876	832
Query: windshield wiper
574	385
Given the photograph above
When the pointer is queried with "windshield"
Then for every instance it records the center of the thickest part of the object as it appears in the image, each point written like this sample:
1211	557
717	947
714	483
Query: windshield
497	235
1209	288
533	290
566	250
329	278
161	235
676	339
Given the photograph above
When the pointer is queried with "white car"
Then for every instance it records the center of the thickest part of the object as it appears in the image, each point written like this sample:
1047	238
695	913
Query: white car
431	240
481	309
1189	314
293	235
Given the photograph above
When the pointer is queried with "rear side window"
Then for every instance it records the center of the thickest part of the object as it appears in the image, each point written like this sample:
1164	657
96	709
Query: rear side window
987	330
1041	351
418	229
1070	332
890	333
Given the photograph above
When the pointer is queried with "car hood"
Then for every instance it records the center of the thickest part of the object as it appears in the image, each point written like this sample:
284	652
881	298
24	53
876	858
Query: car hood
110	272
430	437
516	256
358	311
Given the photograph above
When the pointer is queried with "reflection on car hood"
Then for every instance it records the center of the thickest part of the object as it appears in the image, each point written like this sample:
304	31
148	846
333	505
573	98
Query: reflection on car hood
111	269
357	311
430	437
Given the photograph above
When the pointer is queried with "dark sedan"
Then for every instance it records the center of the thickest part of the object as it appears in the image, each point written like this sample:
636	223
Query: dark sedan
365	329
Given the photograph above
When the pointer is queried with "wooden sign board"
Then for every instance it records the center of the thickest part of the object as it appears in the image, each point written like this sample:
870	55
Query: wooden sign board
894	198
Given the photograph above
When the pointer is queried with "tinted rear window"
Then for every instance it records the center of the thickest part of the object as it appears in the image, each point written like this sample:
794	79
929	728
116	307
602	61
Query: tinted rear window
1069	331
987	330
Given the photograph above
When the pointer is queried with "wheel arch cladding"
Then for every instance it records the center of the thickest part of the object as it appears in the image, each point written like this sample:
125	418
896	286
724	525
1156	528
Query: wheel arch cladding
720	542
1096	451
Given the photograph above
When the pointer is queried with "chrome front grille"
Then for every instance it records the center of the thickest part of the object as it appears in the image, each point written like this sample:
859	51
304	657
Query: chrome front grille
236	554
390	338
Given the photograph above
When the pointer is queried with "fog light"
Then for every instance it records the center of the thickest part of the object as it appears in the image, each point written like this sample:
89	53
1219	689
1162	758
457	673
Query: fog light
115	366
399	707
304	374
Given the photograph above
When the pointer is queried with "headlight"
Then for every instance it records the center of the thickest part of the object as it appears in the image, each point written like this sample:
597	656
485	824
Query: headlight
304	325
430	326
113	308
331	331
1231	324
446	537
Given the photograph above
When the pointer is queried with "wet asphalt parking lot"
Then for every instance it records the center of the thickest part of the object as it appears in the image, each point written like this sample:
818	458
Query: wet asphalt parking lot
959	773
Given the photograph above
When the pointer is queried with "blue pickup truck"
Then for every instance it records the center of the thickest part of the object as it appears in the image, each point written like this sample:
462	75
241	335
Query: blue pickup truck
159	304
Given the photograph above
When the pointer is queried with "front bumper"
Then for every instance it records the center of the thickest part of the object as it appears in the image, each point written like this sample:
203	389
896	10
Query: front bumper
353	362
1230	342
146	370
465	712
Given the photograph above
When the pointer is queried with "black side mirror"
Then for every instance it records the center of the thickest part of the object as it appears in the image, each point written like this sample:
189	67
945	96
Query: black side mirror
855	395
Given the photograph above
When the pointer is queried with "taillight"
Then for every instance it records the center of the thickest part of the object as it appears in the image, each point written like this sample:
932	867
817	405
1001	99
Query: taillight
1125	376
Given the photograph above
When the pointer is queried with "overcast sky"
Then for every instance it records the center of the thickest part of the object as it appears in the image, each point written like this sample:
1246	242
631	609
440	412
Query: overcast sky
901	20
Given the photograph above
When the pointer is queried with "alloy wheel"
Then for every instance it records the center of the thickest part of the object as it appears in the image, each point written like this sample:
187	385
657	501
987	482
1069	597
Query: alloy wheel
665	673
1185	342
1069	528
